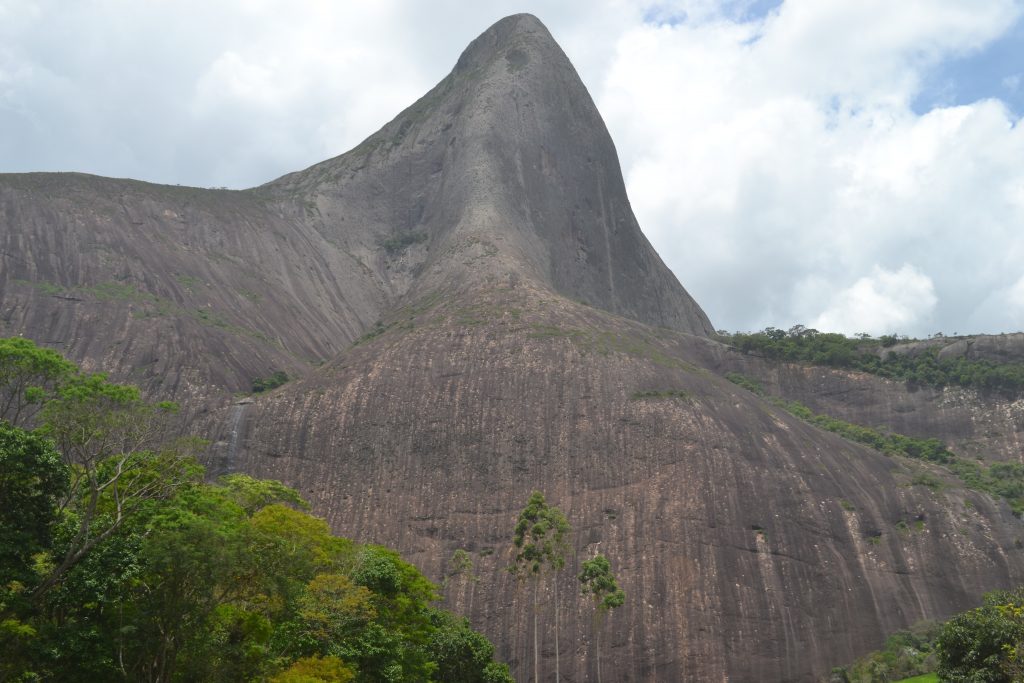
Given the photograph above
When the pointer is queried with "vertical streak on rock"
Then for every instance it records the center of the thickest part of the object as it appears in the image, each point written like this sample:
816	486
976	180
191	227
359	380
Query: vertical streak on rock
237	424
607	244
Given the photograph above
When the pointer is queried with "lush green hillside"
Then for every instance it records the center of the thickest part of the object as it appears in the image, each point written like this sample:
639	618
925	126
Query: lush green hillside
875	356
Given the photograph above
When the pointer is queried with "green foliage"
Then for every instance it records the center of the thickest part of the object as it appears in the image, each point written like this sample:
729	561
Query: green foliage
540	537
460	565
201	587
29	375
261	384
906	653
747	383
598	582
928	480
806	345
33	481
462	654
930	450
541	546
985	644
256	494
981	645
394	245
664	393
315	669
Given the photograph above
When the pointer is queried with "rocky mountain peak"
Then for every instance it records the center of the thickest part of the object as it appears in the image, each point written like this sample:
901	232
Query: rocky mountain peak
504	170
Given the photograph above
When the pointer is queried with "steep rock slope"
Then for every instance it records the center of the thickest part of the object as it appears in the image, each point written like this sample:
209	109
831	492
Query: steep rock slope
752	546
190	293
504	170
988	426
205	290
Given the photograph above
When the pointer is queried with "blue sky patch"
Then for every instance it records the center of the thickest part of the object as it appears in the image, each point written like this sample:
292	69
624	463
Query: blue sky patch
995	72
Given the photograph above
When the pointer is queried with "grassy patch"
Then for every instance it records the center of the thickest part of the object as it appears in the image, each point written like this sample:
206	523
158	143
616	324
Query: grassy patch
261	384
189	282
48	288
115	291
747	383
663	393
928	480
925	678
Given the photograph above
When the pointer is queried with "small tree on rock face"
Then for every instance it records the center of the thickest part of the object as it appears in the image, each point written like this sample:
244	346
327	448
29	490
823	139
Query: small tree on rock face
598	582
541	546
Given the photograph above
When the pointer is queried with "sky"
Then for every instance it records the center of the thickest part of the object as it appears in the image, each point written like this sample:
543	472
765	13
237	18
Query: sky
851	166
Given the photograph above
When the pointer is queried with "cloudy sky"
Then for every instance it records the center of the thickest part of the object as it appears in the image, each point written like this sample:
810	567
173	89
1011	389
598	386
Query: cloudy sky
851	165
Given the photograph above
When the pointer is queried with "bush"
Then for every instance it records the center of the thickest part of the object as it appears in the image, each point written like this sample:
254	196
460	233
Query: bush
261	384
985	644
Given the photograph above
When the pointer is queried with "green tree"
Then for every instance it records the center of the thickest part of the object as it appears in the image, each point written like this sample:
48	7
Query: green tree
541	543
33	481
462	654
598	582
982	645
28	376
120	457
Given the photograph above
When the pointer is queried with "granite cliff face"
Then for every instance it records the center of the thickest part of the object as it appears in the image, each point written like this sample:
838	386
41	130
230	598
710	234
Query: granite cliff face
473	313
504	171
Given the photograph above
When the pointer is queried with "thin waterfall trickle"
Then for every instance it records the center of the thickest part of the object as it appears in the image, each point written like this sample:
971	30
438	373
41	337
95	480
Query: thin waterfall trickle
237	424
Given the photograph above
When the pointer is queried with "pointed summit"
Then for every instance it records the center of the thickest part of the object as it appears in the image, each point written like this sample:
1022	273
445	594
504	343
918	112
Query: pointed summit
510	35
506	158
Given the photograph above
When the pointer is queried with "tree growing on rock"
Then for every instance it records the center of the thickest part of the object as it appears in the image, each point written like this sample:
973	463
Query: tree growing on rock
598	582
541	545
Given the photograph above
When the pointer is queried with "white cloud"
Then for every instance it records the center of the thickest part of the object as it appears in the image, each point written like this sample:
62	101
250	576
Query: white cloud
884	302
1006	304
775	161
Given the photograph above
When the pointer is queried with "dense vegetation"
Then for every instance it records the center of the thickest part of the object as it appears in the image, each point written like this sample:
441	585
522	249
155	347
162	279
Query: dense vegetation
118	562
1001	479
261	384
866	354
907	653
982	645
